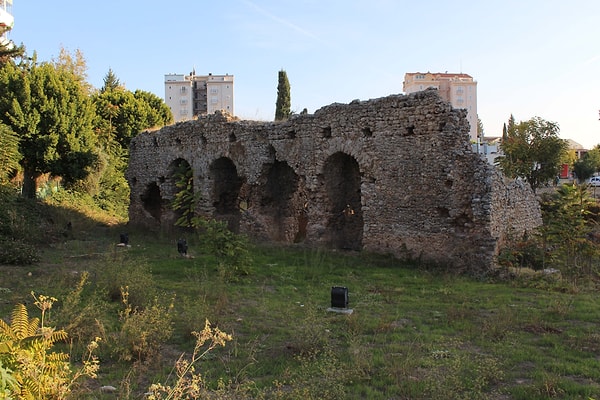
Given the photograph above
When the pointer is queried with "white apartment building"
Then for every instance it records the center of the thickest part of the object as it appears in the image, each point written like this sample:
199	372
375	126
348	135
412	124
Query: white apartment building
191	95
458	89
6	22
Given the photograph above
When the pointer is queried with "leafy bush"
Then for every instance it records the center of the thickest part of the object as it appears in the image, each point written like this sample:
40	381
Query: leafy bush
230	249
143	330
17	252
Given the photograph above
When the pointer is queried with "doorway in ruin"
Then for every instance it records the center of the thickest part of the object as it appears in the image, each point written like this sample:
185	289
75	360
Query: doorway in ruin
152	201
226	186
282	204
180	180
345	225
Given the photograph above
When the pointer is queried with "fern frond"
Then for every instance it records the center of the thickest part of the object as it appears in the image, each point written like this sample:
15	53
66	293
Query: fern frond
57	357
58	336
21	325
5	329
29	389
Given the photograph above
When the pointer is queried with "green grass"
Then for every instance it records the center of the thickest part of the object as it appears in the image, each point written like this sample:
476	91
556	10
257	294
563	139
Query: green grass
415	333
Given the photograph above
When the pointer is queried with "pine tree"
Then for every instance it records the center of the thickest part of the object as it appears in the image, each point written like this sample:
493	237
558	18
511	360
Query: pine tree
284	102
111	82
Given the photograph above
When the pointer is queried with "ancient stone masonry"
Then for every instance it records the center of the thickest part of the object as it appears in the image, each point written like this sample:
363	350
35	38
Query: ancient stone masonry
390	175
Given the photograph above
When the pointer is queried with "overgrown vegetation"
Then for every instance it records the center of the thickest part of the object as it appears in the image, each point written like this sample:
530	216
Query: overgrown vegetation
568	242
415	332
28	366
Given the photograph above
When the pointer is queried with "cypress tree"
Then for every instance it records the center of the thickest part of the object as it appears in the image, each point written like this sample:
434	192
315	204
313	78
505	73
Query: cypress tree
284	102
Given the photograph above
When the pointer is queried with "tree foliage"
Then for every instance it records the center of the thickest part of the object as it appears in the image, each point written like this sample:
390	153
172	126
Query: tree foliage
587	165
9	152
532	151
284	100
111	82
119	116
124	114
49	110
568	222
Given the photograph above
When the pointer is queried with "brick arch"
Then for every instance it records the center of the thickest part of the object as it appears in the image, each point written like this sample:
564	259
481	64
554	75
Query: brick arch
281	200
177	170
341	183
226	185
152	201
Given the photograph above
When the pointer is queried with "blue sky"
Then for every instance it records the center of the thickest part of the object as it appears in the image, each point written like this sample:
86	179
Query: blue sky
529	57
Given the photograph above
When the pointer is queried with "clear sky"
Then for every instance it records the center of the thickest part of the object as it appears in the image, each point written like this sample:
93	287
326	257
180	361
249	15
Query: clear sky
529	57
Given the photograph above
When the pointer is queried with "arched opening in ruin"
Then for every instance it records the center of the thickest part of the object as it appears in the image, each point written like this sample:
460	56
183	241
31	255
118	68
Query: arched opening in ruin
226	186
181	182
281	203
152	201
342	186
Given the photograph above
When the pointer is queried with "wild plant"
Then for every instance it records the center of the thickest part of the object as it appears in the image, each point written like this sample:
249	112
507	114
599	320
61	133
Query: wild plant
28	366
143	330
568	224
186	382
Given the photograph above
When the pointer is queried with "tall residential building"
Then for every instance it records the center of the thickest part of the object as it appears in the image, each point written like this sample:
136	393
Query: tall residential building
191	95
458	89
6	22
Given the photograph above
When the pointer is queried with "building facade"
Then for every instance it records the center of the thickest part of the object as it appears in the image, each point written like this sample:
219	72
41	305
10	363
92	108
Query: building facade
6	22
189	96
460	90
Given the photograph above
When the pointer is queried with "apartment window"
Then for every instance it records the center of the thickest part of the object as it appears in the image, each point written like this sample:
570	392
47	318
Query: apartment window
214	100
183	89
182	101
214	90
183	111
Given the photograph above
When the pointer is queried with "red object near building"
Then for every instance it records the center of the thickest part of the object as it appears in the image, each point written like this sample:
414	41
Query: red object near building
564	171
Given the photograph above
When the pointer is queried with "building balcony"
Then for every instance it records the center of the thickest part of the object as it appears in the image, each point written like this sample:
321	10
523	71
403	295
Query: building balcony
6	21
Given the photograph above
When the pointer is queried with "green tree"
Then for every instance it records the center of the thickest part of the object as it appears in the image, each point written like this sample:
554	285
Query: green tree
49	110
284	100
159	113
125	114
568	221
532	151
587	165
111	82
120	115
9	152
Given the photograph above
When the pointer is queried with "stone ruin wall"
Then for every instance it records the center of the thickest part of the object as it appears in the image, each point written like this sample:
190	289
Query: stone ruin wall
390	175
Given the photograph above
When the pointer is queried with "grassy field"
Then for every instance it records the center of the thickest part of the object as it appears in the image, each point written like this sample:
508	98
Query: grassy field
415	333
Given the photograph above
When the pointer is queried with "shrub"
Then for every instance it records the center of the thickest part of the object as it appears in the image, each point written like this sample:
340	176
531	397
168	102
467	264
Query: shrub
17	252
143	330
